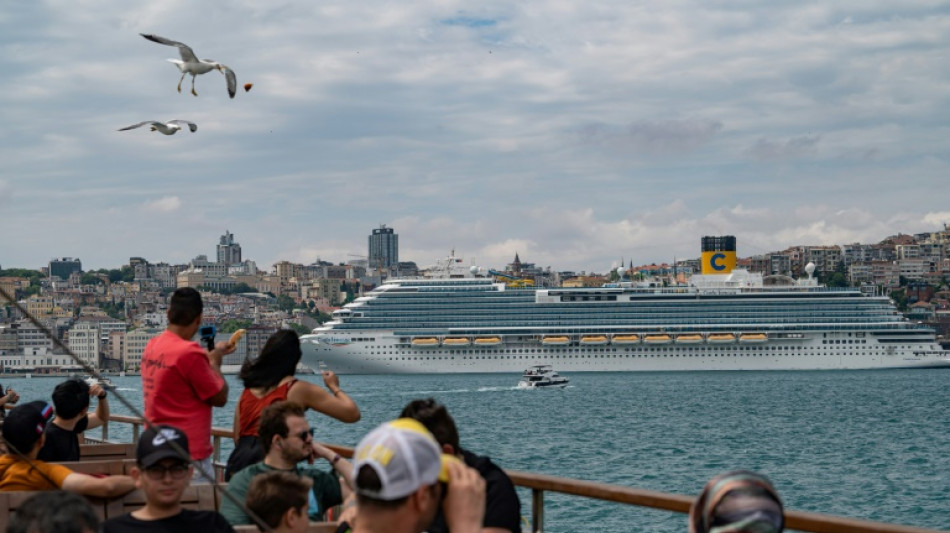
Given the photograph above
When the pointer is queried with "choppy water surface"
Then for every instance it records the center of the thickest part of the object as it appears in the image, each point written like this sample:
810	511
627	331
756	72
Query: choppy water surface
865	444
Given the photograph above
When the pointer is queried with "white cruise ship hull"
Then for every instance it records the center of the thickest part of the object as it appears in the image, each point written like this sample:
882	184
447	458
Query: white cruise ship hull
384	354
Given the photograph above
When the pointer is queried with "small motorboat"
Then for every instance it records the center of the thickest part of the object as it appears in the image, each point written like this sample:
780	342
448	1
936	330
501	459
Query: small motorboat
104	381
539	376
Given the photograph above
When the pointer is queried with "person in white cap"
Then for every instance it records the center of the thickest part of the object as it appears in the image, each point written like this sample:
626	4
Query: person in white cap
401	478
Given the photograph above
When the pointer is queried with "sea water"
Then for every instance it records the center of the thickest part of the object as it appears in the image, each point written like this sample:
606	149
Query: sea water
862	444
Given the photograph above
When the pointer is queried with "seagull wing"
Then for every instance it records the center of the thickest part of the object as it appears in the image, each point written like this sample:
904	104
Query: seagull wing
139	125
187	54
232	80
191	125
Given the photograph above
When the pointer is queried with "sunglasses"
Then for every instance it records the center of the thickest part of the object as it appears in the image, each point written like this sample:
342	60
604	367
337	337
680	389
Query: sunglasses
303	435
157	472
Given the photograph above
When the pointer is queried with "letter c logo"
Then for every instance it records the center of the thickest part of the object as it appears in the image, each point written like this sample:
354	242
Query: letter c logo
714	262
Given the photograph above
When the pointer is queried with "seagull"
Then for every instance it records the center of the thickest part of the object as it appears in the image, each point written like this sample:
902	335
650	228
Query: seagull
190	64
168	128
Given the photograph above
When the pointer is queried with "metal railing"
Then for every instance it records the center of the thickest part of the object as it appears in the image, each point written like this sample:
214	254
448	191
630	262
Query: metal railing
541	483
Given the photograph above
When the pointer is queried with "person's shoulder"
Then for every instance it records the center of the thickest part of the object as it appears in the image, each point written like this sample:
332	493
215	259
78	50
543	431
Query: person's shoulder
245	474
485	466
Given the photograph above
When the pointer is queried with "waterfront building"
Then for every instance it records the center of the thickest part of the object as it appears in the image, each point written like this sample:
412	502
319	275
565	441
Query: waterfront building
135	342
64	266
383	248
84	342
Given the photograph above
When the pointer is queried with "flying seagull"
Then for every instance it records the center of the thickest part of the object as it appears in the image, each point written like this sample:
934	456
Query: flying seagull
168	128
190	64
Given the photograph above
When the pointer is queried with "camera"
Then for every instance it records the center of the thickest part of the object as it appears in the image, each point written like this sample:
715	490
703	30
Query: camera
207	334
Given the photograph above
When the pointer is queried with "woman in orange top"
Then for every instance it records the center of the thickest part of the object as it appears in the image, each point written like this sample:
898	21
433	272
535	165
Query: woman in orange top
270	378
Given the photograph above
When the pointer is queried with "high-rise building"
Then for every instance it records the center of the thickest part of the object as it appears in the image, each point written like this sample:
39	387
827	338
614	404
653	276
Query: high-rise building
383	248
229	252
63	267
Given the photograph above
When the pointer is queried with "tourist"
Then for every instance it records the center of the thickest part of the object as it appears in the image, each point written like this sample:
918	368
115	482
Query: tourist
399	488
279	500
23	431
270	378
737	502
54	511
181	381
71	403
502	506
9	397
162	472
287	440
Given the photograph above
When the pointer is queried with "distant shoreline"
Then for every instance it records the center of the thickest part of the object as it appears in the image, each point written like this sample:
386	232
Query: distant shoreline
27	375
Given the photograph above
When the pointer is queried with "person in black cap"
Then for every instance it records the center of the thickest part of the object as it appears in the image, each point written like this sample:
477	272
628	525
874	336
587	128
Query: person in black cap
23	432
163	470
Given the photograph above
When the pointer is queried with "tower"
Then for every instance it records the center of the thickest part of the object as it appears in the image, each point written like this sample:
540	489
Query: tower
383	248
229	252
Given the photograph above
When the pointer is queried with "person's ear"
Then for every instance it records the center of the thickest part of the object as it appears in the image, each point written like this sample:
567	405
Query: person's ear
136	474
448	449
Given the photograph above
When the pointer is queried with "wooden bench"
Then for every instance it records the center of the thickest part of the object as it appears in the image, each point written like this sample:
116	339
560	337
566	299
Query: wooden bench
101	452
110	468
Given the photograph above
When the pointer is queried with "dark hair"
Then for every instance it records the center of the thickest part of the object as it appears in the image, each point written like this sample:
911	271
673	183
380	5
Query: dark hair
70	398
278	359
436	418
184	306
368	479
272	493
274	421
54	511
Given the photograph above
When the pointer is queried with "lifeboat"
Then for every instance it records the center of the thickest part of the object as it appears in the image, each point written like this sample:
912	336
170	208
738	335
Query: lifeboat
425	342
720	338
689	338
594	339
556	340
456	341
487	341
631	338
753	337
662	338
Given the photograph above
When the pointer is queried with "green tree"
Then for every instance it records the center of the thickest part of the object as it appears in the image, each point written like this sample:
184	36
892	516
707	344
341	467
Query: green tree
128	273
285	303
300	328
900	299
234	324
90	278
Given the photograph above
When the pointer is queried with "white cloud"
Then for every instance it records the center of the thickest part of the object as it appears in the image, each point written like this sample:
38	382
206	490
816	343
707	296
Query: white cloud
583	133
167	204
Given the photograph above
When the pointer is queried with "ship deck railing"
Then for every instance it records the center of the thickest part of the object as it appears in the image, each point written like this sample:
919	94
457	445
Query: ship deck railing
539	484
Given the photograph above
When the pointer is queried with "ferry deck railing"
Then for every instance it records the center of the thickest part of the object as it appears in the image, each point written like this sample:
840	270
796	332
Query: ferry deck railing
541	483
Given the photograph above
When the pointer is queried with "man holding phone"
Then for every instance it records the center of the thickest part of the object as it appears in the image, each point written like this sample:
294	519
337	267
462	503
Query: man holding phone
182	381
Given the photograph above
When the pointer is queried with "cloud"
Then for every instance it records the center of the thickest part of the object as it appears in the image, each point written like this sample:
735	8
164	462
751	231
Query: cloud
653	137
167	204
766	149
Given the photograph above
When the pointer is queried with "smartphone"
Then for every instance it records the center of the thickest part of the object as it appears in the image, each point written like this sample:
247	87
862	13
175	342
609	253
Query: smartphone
207	334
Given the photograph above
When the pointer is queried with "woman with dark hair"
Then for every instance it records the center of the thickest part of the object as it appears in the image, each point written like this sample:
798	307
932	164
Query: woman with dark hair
270	378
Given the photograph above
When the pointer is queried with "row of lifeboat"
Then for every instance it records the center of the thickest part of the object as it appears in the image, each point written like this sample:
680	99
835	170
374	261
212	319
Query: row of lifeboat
598	339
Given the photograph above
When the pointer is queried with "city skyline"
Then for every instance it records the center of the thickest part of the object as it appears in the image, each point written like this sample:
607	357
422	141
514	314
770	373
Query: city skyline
572	134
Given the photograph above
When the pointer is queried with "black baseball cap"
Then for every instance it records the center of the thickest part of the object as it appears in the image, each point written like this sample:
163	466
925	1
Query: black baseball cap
155	444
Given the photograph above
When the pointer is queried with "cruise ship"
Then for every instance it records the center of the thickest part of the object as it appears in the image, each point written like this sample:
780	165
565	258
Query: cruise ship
723	319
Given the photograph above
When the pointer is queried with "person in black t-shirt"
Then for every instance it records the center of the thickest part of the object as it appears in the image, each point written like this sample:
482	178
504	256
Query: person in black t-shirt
163	474
71	404
502	506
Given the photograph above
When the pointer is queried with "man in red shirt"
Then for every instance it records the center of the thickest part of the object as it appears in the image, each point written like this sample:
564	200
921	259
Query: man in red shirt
181	380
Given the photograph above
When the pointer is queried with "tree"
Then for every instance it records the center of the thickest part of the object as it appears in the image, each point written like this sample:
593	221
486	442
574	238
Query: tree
900	299
285	303
90	278
232	325
300	328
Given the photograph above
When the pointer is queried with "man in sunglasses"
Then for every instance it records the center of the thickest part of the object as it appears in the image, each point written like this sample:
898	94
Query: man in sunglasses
287	441
162	472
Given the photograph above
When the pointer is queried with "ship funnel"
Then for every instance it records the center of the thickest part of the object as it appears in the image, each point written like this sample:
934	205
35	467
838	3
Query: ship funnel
719	254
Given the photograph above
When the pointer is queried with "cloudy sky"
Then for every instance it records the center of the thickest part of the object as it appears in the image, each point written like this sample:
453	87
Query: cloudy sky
573	133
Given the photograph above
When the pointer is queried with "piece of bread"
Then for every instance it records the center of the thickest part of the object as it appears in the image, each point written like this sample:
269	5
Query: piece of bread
236	336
